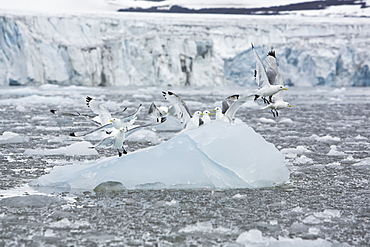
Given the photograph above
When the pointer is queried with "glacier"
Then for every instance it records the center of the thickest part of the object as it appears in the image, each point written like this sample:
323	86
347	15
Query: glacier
133	49
218	155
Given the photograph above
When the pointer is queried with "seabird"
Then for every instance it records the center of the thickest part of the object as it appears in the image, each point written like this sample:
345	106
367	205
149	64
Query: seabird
118	140
158	113
276	101
206	117
229	107
265	89
178	107
114	122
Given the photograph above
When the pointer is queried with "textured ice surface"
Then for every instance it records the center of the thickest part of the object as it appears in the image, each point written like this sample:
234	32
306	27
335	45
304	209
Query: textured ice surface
219	155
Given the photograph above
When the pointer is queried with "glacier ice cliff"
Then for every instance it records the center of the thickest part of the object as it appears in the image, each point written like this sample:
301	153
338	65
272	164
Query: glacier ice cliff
159	49
218	155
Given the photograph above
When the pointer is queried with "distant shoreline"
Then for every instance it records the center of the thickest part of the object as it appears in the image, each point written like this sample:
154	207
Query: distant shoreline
273	10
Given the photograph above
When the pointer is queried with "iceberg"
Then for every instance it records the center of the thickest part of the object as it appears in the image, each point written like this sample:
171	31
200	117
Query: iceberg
218	155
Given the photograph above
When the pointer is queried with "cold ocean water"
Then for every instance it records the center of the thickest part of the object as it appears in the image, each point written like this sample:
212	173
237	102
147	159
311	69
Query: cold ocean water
325	137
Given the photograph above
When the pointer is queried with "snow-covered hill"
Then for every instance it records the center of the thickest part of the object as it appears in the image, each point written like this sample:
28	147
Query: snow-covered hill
99	46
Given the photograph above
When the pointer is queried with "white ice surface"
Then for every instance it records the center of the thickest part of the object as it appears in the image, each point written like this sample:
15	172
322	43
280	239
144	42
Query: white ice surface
255	238
79	148
219	155
10	137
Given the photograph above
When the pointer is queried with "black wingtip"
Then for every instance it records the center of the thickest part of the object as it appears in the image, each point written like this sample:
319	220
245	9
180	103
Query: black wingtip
53	111
88	99
252	45
72	134
271	53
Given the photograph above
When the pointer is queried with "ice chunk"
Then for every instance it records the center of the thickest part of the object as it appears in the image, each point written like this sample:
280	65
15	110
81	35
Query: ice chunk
67	224
311	219
204	227
79	148
334	152
326	139
110	186
364	162
303	160
293	152
219	155
266	120
10	137
254	237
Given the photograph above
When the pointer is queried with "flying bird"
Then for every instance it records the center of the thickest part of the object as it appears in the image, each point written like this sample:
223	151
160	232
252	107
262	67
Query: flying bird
111	123
180	110
274	76
229	107
118	140
265	89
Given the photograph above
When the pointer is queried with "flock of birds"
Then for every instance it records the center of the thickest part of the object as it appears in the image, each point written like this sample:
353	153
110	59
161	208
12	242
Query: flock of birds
270	87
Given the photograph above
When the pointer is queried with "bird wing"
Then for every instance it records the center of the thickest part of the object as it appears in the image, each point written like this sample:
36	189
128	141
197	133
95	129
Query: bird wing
228	101
279	80
99	109
83	133
131	118
157	114
261	76
179	107
106	142
230	113
271	67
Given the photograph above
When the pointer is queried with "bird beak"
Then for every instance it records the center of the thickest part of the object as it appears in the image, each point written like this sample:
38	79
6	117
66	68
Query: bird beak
285	88
214	110
111	120
290	105
210	113
202	114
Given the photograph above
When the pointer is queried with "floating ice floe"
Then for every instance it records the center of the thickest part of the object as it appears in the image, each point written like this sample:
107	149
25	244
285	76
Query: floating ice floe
326	139
10	137
218	155
204	227
303	160
364	162
334	152
79	148
254	237
293	152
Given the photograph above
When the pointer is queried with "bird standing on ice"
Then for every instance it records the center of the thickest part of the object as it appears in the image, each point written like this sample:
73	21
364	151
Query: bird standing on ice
206	117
